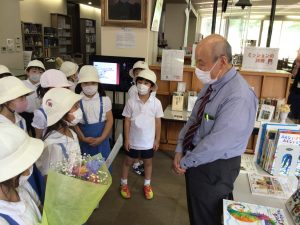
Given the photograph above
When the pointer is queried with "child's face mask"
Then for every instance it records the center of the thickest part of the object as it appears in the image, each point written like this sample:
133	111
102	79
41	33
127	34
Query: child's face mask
18	105
142	89
90	89
77	115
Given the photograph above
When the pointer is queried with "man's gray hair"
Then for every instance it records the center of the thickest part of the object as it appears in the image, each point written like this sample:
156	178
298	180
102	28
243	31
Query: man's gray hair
222	48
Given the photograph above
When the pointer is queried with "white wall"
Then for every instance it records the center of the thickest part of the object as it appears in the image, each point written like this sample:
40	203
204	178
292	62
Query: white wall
38	11
93	13
10	28
175	25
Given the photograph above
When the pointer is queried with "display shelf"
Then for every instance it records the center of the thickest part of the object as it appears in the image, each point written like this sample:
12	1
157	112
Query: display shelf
87	38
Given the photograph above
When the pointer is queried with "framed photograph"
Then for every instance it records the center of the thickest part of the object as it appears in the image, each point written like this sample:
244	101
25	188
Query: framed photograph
266	113
124	13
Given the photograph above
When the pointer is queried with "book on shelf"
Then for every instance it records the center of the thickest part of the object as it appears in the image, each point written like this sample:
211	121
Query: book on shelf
276	187
293	206
266	113
250	214
248	164
280	152
276	102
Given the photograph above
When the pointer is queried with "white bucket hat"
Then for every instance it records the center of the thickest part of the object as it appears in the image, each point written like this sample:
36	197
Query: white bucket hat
149	75
12	88
57	102
88	73
18	151
35	63
68	68
54	78
4	69
138	65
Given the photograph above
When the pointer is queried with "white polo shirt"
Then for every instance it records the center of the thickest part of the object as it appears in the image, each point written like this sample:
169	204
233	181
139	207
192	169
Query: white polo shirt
18	121
142	116
91	108
53	152
33	101
39	120
24	212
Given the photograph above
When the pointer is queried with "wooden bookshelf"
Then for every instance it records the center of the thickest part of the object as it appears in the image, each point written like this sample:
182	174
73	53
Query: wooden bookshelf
87	38
63	24
51	47
33	39
265	84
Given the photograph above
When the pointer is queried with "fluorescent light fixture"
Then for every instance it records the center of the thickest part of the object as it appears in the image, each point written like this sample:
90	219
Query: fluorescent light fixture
293	17
89	3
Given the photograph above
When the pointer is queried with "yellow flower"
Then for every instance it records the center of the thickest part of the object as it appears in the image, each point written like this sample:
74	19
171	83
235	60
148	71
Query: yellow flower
284	108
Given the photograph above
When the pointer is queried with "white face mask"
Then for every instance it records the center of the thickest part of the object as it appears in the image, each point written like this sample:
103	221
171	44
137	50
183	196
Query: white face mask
23	178
205	76
142	89
77	117
90	90
35	77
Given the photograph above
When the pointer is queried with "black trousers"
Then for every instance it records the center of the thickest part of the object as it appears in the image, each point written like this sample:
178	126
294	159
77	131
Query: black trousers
206	186
28	118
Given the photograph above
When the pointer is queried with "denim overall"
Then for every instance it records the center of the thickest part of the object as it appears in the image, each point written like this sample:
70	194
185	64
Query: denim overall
36	180
94	130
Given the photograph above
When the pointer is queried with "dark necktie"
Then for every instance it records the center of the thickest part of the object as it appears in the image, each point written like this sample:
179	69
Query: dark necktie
188	138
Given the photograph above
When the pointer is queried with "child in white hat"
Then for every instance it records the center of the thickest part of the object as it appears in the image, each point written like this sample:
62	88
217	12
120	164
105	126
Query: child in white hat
97	120
49	79
70	69
33	71
4	71
142	130
61	142
18	202
13	101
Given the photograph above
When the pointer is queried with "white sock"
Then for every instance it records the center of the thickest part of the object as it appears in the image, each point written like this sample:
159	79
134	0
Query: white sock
123	181
136	165
147	182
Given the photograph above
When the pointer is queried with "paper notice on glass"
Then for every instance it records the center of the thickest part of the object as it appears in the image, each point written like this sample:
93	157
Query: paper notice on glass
125	39
26	57
114	151
172	65
260	59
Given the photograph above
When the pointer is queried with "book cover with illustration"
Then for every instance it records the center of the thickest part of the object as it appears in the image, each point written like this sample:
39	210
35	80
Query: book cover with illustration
236	213
293	206
276	187
285	159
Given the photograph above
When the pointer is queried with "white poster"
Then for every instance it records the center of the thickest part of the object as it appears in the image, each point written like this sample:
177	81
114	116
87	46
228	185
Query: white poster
260	59
172	65
125	39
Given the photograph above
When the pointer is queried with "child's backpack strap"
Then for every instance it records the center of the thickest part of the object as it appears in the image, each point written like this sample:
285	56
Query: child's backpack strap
43	112
64	150
8	219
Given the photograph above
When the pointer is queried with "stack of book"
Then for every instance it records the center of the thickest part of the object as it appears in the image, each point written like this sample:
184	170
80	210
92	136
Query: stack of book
276	187
293	206
278	149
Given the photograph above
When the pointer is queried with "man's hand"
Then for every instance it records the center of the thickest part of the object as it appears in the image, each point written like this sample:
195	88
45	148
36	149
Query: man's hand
176	164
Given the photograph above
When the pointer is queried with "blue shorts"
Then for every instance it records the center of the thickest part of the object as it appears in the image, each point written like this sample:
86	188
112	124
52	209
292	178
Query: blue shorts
145	154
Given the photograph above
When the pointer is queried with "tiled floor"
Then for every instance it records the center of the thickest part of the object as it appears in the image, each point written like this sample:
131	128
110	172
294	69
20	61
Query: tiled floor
167	208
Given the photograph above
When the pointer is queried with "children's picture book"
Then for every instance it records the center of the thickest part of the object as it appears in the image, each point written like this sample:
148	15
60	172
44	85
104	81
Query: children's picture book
293	206
276	187
239	213
248	164
266	113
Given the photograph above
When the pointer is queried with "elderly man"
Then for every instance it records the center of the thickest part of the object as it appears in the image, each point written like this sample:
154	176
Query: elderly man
211	143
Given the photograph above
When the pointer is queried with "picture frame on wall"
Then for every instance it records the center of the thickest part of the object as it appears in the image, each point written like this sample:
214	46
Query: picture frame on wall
124	13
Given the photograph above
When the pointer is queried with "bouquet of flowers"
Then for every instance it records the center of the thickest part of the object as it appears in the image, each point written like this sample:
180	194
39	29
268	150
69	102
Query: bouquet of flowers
74	189
284	108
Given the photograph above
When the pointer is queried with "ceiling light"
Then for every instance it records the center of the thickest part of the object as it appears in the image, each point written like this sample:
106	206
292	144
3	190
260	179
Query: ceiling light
293	17
89	3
